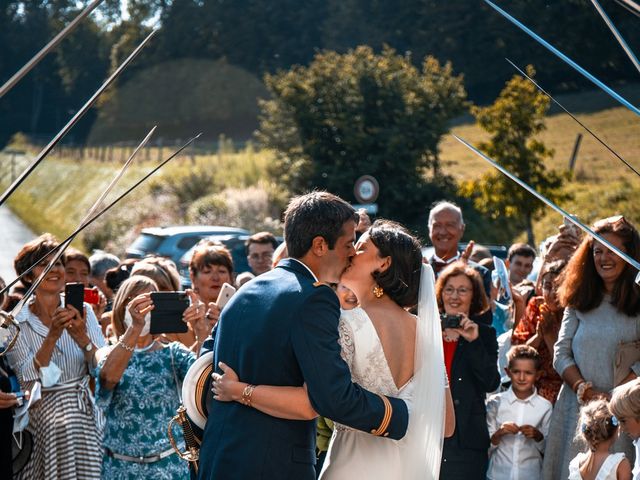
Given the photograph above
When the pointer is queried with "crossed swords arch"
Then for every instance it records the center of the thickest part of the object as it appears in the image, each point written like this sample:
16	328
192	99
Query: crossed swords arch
635	8
8	320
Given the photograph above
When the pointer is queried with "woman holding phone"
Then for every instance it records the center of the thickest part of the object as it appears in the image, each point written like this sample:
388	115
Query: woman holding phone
56	348
138	387
210	268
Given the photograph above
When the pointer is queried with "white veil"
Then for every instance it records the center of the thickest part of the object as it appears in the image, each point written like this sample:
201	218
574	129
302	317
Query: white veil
427	409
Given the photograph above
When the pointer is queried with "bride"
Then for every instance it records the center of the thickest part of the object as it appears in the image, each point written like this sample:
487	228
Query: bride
390	352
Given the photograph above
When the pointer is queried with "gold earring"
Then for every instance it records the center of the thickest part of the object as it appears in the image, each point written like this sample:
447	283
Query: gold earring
378	291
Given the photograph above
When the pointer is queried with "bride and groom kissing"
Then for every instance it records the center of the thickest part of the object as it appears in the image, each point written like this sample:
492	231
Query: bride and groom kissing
284	354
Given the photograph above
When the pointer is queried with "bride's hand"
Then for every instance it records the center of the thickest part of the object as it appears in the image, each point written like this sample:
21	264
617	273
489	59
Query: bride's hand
226	387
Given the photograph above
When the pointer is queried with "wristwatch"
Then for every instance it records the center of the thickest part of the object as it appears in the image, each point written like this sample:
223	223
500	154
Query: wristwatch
88	347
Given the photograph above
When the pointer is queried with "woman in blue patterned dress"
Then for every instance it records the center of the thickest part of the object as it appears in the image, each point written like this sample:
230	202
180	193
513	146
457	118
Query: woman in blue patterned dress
139	388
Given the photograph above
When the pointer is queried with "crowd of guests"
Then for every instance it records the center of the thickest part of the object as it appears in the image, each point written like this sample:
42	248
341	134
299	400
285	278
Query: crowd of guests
103	387
567	326
540	387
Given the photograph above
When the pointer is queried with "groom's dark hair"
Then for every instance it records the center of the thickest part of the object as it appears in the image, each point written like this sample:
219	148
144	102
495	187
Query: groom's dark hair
315	214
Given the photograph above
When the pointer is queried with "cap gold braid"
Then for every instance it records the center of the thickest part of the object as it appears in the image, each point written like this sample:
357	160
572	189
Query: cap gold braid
386	419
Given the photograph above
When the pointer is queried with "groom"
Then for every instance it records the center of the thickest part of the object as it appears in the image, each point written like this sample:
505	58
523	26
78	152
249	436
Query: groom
282	329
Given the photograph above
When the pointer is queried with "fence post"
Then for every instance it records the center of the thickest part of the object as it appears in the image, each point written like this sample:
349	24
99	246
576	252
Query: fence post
574	154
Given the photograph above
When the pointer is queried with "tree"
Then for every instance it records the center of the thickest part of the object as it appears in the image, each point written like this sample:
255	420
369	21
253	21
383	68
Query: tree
361	113
513	120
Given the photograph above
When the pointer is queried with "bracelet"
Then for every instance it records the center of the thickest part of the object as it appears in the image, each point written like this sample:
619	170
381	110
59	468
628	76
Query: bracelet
582	390
577	383
246	394
125	346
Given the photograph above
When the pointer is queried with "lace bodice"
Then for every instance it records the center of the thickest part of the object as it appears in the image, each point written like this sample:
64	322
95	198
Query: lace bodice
362	350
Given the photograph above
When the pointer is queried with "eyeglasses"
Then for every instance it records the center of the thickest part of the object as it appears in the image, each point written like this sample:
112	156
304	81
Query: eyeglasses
547	286
461	291
263	256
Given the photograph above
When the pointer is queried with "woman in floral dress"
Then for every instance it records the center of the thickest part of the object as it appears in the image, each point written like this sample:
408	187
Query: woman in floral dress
139	389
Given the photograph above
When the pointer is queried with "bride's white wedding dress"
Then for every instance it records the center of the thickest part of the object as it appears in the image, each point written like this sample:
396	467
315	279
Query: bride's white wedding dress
356	454
352	453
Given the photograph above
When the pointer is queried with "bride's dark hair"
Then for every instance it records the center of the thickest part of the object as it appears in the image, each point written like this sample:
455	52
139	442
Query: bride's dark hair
401	281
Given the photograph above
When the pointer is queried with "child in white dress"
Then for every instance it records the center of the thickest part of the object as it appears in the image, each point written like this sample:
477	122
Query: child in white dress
598	428
625	405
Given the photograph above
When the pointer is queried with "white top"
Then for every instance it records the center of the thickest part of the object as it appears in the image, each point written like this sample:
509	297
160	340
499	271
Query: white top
608	469
517	457
636	466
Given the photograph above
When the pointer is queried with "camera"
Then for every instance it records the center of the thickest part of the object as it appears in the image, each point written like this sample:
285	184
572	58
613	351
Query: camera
450	320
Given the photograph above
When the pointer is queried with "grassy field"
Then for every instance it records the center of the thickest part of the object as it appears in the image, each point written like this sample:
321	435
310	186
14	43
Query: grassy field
601	184
59	192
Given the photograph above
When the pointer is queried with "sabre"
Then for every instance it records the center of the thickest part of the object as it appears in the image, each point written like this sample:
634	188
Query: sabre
617	34
63	246
634	263
630	6
74	120
523	73
104	210
27	67
563	57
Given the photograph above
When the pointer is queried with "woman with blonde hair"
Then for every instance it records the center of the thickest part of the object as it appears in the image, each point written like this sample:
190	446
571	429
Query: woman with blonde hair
138	388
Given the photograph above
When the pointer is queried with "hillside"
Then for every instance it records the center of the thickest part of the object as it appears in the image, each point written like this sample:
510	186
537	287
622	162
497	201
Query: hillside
59	192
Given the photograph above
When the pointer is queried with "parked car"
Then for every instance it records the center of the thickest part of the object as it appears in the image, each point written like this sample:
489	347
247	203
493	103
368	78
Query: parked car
235	244
173	242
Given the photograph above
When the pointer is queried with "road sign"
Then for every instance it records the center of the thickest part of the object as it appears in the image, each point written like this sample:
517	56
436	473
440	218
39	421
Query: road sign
366	189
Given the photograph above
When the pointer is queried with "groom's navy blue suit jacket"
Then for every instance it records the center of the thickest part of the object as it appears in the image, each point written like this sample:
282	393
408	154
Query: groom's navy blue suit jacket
282	329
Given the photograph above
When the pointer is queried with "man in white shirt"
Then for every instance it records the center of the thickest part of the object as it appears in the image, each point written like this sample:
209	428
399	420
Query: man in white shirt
518	421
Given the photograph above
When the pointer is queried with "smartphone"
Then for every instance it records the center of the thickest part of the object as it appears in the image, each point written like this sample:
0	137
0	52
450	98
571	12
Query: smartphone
91	296
15	389
226	292
74	295
168	308
450	321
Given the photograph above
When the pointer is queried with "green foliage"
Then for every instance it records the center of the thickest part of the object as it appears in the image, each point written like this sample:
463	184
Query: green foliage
252	208
516	116
360	113
183	97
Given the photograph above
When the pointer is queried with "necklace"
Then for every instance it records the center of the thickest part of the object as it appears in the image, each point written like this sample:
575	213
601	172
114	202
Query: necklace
145	349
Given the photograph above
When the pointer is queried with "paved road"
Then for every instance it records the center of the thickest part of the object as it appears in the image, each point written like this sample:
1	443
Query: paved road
13	234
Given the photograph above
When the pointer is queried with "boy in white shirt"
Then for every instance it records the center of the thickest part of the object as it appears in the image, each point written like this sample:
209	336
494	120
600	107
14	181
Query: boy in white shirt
518	420
625	405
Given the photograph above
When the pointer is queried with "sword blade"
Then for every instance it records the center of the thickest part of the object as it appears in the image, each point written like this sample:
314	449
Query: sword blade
63	246
634	263
27	67
74	120
524	74
630	6
103	211
617	34
566	59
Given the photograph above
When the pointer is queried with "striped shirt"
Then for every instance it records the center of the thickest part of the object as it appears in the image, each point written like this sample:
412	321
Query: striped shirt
67	355
65	424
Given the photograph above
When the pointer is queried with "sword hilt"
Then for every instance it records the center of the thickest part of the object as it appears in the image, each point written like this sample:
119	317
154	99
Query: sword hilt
192	451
